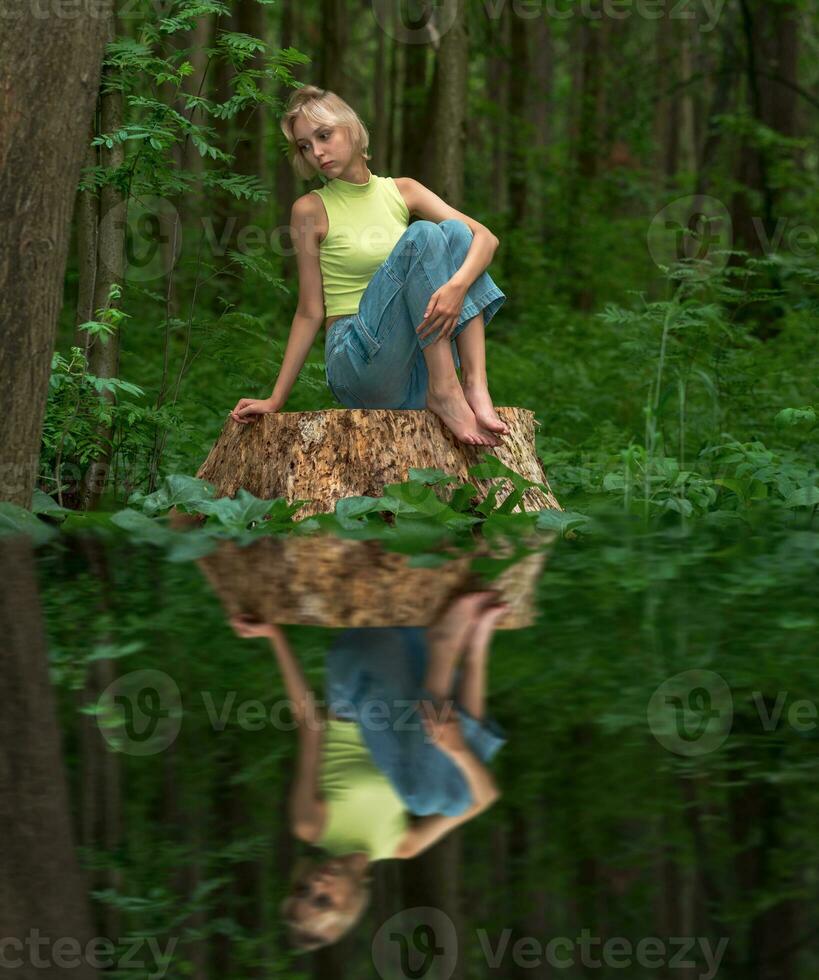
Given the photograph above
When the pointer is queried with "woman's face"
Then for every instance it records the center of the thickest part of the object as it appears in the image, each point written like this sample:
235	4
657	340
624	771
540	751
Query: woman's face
326	144
328	887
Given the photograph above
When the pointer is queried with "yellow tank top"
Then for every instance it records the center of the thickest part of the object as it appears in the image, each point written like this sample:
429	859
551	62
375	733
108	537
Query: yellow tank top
365	221
364	813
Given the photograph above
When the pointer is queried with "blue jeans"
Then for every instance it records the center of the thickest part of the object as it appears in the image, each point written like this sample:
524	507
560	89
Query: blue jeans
374	675
374	358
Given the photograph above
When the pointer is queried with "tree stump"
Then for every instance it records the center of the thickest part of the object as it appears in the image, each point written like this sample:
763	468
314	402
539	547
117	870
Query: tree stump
320	580
324	456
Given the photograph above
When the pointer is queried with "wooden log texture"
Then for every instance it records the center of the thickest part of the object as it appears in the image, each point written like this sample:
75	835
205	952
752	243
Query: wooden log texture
321	580
324	456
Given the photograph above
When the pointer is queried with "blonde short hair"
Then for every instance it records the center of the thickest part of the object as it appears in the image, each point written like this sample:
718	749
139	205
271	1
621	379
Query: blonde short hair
320	105
311	935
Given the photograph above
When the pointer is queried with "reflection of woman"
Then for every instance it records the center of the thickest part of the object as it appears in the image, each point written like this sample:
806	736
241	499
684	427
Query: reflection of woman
403	304
391	746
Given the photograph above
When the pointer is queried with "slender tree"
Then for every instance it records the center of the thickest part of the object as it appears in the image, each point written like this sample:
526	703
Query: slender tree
49	75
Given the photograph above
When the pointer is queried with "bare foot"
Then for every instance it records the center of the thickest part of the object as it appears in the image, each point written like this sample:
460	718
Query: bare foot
478	399
452	409
457	620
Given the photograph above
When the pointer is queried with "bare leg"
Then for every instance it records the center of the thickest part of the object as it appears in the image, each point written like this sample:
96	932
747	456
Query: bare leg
472	683
446	641
446	398
472	352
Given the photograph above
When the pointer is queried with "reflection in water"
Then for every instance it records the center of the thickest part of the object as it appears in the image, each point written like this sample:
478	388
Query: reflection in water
42	892
404	734
658	784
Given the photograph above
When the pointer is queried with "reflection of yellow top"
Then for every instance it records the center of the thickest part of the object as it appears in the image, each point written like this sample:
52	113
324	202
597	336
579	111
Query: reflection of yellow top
365	222
364	813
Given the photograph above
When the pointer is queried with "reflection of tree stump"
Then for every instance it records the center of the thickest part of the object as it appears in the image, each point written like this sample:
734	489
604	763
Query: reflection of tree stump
325	581
324	456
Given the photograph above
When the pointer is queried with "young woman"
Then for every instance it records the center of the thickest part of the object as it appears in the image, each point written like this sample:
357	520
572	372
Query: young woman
392	765
404	305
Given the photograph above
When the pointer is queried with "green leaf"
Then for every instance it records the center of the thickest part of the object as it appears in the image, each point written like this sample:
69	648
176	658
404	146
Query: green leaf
796	416
562	521
803	497
177	490
43	504
17	520
244	508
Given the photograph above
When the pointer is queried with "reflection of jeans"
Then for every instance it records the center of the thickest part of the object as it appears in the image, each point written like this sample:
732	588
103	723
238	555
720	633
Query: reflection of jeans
374	675
374	358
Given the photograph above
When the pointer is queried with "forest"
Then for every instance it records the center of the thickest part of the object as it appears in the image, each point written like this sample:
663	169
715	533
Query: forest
650	170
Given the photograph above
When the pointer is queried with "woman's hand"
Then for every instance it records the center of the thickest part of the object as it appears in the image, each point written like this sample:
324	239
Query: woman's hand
443	310
246	627
443	726
247	409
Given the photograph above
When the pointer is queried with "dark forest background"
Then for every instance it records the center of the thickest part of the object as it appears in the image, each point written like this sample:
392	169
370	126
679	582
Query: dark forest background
651	171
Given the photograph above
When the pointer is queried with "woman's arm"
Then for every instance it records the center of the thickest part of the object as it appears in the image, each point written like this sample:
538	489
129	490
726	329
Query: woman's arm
307	810
427	830
444	307
309	314
302	699
424	203
310	310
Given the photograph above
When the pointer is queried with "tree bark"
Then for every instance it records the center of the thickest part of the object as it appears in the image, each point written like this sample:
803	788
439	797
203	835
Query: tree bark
450	110
379	147
415	104
520	197
497	89
41	886
54	70
295	580
103	357
334	29
323	456
87	218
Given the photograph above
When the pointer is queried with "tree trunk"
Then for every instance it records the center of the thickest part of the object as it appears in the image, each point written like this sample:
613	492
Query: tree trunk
497	89
722	99
432	880
587	145
87	218
415	132
450	110
56	73
540	111
196	41
323	456
107	827
379	145
103	358
665	106
334	27
771	49
41	886
284	174
394	124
